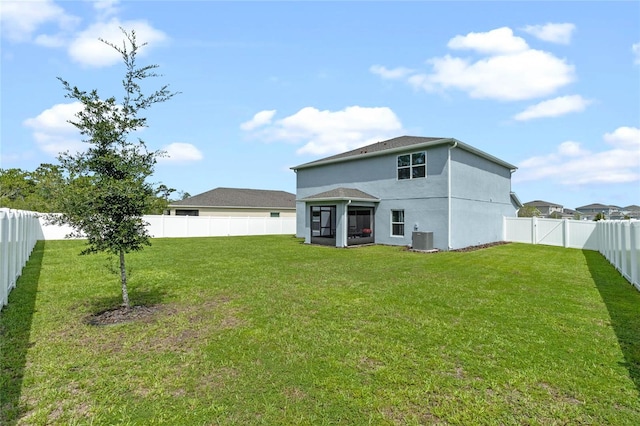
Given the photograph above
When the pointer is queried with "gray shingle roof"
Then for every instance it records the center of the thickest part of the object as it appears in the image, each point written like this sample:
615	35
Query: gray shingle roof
342	194
239	197
596	206
540	203
397	144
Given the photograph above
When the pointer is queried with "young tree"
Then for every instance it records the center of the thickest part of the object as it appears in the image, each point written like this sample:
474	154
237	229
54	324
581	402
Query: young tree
106	190
529	211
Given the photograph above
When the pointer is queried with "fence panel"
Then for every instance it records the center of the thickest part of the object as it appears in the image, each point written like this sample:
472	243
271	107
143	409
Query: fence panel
518	230
218	226
19	232
621	247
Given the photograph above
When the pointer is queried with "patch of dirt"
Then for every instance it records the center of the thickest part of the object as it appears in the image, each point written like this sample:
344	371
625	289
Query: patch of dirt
123	314
481	246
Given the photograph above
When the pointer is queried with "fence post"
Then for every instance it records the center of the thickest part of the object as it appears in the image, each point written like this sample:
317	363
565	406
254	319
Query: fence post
534	230
4	258
635	252
624	245
565	234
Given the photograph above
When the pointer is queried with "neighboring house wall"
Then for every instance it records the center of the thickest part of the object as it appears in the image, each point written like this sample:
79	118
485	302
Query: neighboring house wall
237	212
480	195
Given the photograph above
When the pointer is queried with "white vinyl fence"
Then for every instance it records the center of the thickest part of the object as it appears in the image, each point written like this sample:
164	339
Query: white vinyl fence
218	226
620	244
163	226
617	240
19	232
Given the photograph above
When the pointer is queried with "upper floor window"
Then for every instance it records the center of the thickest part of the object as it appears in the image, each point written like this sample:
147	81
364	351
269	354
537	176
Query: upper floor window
412	166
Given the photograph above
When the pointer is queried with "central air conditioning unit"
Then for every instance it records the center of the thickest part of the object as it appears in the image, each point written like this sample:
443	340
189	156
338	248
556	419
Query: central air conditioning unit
422	241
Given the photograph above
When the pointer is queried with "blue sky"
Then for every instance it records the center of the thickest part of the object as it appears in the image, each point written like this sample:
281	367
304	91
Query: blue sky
552	87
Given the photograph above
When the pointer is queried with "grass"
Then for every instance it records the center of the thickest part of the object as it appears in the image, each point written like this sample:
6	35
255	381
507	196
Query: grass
266	330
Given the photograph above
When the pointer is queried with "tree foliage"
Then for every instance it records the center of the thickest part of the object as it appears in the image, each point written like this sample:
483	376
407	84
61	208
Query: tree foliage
529	211
35	191
106	189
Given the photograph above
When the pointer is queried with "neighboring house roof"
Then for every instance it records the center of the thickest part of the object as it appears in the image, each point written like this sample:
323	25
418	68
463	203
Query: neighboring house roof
342	194
400	144
632	208
239	198
540	203
596	206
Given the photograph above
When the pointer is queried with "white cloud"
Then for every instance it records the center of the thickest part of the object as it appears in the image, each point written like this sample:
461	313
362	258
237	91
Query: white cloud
19	20
52	131
635	48
573	165
328	132
260	119
554	33
500	40
390	74
508	70
106	8
180	152
86	48
625	137
554	107
523	75
45	40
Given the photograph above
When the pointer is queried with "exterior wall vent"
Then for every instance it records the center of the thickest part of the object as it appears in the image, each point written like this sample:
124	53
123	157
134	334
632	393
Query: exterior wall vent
422	241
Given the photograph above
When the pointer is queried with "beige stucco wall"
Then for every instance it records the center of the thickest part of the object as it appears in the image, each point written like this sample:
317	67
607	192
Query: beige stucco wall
203	211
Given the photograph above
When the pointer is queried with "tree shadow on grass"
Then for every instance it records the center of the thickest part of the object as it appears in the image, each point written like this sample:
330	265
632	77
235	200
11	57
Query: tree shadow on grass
15	331
623	303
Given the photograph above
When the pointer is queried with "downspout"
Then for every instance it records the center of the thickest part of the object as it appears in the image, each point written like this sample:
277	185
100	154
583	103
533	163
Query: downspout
455	144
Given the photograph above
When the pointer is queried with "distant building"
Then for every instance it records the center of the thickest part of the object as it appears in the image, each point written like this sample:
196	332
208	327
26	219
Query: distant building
545	208
590	211
632	211
238	202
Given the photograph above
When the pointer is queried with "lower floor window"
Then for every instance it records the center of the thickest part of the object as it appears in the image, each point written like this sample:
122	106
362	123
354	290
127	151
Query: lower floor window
397	223
184	212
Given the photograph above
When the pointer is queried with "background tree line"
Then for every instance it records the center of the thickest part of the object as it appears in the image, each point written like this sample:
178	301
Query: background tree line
40	190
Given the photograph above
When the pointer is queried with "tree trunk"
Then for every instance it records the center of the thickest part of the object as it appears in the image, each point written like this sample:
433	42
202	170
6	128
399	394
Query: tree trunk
123	279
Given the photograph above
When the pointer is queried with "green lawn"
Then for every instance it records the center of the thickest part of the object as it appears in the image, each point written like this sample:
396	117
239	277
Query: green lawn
267	330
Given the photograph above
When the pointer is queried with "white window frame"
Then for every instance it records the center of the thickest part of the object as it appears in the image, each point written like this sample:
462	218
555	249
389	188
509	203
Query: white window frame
397	223
411	166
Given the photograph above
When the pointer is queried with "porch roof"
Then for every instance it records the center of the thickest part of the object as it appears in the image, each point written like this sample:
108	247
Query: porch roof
342	194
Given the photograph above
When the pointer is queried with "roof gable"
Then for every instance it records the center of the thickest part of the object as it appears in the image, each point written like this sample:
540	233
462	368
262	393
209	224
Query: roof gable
239	197
342	194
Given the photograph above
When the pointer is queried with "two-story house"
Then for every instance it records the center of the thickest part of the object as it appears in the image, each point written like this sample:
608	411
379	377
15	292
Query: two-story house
545	208
384	192
590	211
